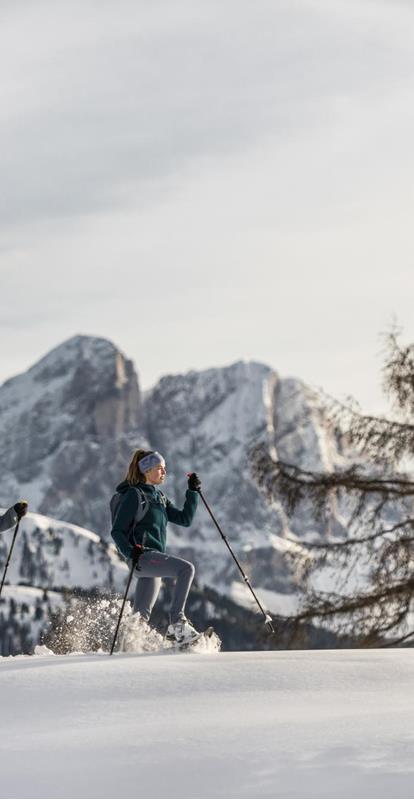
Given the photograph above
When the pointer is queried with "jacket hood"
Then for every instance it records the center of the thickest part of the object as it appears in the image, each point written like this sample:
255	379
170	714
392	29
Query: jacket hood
123	487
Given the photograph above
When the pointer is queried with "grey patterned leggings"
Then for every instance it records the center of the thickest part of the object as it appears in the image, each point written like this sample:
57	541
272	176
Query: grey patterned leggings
152	567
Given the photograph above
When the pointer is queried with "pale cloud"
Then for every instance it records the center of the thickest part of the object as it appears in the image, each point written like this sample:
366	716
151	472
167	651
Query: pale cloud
101	95
208	164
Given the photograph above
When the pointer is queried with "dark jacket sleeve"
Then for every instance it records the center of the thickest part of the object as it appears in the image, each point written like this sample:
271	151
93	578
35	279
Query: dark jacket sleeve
8	519
184	517
123	521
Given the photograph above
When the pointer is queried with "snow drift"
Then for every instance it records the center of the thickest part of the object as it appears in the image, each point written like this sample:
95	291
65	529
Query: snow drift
275	724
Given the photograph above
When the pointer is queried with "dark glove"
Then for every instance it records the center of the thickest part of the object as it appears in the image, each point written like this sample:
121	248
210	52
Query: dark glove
136	553
194	482
21	509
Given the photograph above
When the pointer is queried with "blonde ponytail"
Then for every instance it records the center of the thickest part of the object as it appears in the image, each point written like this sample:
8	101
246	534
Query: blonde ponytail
134	474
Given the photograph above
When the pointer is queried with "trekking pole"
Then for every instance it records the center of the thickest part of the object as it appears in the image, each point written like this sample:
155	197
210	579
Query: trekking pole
9	556
267	617
123	605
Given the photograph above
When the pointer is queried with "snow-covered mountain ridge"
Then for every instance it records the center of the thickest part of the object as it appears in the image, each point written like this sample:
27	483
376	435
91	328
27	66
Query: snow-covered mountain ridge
69	425
49	557
51	554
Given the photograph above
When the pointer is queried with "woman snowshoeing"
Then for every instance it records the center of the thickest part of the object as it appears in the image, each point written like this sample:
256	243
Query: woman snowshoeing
145	541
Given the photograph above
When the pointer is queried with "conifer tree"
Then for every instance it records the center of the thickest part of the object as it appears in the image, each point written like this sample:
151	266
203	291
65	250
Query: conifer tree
372	601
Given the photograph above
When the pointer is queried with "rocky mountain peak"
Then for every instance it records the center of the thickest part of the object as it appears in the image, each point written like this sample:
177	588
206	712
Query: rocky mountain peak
56	418
94	351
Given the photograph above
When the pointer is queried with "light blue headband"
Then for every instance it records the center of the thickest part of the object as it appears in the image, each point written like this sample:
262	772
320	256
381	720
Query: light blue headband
150	461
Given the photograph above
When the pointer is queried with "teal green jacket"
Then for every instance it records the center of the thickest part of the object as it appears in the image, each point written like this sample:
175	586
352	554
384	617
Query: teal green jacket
151	531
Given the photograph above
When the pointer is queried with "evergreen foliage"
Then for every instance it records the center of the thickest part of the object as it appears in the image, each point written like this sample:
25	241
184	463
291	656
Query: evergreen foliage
371	603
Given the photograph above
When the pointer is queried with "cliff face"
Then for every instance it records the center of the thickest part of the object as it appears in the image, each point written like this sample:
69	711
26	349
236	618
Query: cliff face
207	421
64	425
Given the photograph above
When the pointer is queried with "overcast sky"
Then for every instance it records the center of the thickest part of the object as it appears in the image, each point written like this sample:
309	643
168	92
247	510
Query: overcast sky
203	182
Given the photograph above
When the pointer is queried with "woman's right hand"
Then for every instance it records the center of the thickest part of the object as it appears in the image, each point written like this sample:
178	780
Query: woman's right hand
137	551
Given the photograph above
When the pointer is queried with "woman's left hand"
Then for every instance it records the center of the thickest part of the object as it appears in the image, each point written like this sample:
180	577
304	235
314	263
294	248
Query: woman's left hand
194	482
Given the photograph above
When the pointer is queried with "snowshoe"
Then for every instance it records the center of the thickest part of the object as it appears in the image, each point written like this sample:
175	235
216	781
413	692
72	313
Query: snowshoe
182	632
203	642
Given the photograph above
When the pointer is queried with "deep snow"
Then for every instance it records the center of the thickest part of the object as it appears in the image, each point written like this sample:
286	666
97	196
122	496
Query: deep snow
258	724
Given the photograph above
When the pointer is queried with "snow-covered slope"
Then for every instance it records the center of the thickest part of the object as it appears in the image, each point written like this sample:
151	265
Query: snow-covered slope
299	724
51	554
49	557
